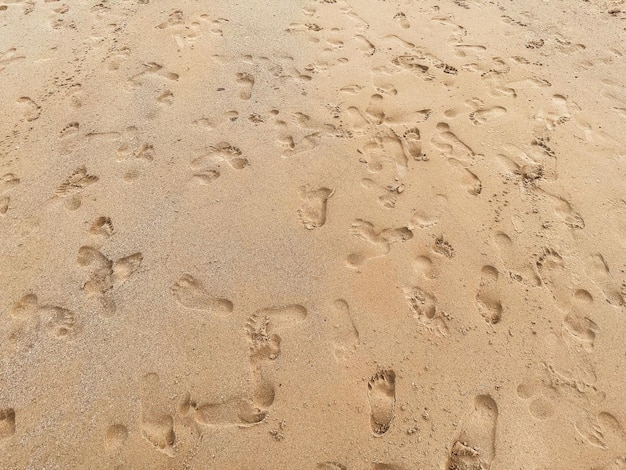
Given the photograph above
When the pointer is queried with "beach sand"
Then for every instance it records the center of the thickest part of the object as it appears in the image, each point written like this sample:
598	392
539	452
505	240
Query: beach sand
313	234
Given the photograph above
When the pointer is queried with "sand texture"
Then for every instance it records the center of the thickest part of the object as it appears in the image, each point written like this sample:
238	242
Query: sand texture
313	234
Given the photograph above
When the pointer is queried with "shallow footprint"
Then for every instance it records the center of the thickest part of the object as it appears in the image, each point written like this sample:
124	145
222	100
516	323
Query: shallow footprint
7	422
190	293
312	212
474	448
235	412
469	181
262	325
157	425
346	336
381	392
487	298
246	82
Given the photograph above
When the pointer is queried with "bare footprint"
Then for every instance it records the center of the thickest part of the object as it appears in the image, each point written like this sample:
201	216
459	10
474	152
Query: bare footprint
390	193
7	422
380	241
474	447
238	412
411	144
157	424
488	299
451	146
345	334
115	437
73	185
469	181
262	326
312	212
483	115
577	325
598	269
191	293
381	393
246	82
331	466
423	306
401	20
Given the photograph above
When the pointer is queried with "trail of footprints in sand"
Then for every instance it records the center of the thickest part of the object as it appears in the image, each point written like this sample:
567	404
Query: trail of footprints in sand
262	331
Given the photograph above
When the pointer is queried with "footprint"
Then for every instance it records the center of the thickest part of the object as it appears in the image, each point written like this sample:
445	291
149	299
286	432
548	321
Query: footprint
429	215
424	267
25	307
312	212
33	110
385	146
152	69
380	241
520	270
364	45
101	229
356	124
469	181
422	304
563	209
331	466
450	145
59	322
234	412
221	152
345	334
115	437
483	115
390	195
105	276
157	425
191	293
539	406
602	430
578	326
401	20
69	190
375	110
489	304
206	177
411	144
474	447
262	325
381	393
8	181
555	276
245	82
7	422
598	270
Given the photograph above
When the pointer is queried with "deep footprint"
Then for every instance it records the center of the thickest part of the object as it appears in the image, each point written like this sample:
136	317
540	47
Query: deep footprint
381	392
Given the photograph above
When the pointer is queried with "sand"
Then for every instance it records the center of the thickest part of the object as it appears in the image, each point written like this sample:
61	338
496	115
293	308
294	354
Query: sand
313	234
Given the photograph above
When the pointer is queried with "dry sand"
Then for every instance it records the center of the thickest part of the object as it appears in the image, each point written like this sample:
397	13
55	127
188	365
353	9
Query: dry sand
313	234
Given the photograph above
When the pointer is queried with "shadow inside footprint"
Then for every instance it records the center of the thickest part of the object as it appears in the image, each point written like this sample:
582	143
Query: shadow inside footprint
381	392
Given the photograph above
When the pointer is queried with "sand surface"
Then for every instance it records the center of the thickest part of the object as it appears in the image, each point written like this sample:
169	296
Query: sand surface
313	234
